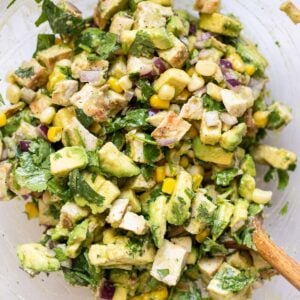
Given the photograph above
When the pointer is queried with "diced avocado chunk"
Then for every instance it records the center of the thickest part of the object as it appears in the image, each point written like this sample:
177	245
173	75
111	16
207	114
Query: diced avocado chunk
240	260
67	159
180	201
178	26
233	137
248	165
275	157
36	258
212	154
221	24
134	203
174	77
106	9
247	186
140	184
124	251
158	219
116	163
75	134
160	38
250	54
209	267
240	215
64	116
92	187
222	218
230	283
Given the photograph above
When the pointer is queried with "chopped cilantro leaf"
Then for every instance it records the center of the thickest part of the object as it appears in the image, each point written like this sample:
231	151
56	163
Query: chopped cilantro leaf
244	237
146	89
25	72
283	179
44	41
224	178
135	246
212	105
284	209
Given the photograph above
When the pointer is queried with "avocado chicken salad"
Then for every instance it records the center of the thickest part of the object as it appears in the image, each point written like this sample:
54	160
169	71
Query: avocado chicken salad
133	137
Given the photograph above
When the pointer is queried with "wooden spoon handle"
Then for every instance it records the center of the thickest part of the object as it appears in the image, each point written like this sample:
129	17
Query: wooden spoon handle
275	256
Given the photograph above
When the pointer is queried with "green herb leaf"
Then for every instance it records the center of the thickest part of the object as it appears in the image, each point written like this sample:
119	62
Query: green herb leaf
25	72
163	273
212	247
59	187
60	21
33	169
212	105
146	89
142	45
11	3
244	237
204	215
118	139
284	209
80	187
44	41
151	152
235	283
270	175
224	178
135	246
275	121
60	254
254	209
283	179
103	44
147	172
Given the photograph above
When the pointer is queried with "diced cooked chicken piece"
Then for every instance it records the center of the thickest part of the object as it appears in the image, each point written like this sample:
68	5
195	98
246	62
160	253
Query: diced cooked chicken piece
151	15
175	56
139	65
156	119
120	22
39	105
25	131
193	109
210	135
63	91
207	6
75	134
31	75
98	103
27	95
135	223
209	267
238	101
5	168
106	9
82	63
292	11
117	211
171	130
169	262
185	242
50	56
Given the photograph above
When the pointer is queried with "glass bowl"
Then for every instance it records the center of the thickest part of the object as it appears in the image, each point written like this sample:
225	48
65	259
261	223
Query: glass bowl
278	39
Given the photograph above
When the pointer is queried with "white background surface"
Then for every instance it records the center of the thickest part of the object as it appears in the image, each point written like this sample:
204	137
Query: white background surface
264	24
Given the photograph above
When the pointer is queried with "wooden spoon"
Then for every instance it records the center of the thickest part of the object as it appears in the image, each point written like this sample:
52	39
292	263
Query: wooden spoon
275	256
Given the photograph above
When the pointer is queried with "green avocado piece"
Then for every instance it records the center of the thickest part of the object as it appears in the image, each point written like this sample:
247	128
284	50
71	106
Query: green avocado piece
221	24
116	163
212	154
178	26
233	137
36	258
250	54
67	159
160	38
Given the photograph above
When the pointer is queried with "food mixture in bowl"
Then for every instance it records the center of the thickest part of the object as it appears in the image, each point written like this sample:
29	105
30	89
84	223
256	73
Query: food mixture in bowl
133	137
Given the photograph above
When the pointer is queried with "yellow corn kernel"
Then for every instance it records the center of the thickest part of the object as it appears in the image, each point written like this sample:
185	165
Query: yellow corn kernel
114	85
191	71
168	185
197	180
250	69
160	174
261	118
31	210
184	95
160	294
237	62
47	115
200	237
184	161
54	134
166	92
3	119
157	103
54	78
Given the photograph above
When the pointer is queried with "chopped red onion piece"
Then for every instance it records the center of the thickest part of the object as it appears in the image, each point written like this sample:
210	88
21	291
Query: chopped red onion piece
152	112
150	75
24	146
166	142
203	36
26	197
160	64
107	290
226	64
233	82
43	129
89	76
192	29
